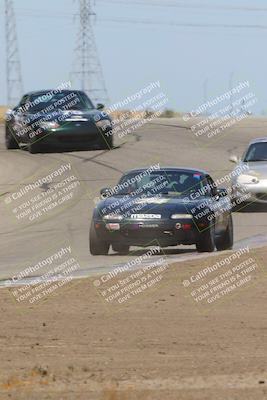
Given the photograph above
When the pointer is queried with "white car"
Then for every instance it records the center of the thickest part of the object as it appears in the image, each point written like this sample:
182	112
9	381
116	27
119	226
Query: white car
249	178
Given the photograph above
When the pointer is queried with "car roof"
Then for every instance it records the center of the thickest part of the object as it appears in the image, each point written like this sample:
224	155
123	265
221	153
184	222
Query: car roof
40	92
259	140
167	169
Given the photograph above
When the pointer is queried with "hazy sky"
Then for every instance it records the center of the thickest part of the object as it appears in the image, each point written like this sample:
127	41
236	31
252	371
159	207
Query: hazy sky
134	54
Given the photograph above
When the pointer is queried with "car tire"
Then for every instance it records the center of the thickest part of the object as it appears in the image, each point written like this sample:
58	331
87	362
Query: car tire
106	142
235	205
34	148
206	240
98	247
122	249
11	143
225	242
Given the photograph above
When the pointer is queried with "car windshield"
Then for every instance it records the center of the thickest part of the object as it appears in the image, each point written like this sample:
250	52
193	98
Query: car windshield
256	152
60	101
172	183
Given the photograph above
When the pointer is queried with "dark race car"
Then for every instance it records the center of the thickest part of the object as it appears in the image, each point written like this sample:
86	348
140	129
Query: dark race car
166	206
58	118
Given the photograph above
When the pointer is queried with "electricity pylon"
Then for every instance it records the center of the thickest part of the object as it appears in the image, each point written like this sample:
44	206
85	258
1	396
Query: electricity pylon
14	84
87	72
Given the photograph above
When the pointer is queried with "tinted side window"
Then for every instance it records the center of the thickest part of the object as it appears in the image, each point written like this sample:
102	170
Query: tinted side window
210	186
23	100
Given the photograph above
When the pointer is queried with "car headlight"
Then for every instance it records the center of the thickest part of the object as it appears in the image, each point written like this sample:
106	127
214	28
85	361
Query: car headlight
103	124
49	125
245	179
181	216
113	217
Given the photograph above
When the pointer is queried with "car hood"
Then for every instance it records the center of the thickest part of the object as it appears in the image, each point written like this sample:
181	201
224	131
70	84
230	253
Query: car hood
127	205
75	115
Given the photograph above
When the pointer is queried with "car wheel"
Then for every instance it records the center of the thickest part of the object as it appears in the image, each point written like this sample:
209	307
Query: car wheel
122	249
206	240
34	148
98	247
11	142
225	242
106	142
235	205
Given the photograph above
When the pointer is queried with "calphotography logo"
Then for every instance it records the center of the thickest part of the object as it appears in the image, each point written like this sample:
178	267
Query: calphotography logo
214	119
44	277
220	281
44	196
145	106
127	282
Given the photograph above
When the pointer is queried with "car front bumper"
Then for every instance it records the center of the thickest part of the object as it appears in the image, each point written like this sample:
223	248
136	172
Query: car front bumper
73	134
142	233
252	193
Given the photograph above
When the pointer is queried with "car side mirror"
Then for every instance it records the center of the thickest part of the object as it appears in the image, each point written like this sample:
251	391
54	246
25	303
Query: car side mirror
9	114
222	192
100	106
105	192
234	159
214	192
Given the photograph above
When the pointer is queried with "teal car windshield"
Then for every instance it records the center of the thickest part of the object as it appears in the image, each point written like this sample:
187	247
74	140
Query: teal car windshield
177	183
256	152
63	100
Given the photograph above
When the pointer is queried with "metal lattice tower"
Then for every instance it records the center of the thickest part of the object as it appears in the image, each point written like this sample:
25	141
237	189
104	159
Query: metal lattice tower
87	73
14	84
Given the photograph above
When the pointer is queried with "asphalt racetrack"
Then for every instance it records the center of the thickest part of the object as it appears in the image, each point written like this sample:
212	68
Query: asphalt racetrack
169	142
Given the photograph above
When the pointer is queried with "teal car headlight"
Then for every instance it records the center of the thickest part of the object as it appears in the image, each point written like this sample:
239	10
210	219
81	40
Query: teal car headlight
103	124
49	125
247	179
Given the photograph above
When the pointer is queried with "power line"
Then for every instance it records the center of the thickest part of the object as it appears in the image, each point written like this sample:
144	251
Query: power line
185	24
38	14
165	4
44	14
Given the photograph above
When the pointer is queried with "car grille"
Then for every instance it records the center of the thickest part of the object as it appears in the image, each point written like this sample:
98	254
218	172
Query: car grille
146	233
76	138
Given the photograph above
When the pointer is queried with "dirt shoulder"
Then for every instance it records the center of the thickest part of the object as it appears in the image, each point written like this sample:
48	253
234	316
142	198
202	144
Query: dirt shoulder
161	344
